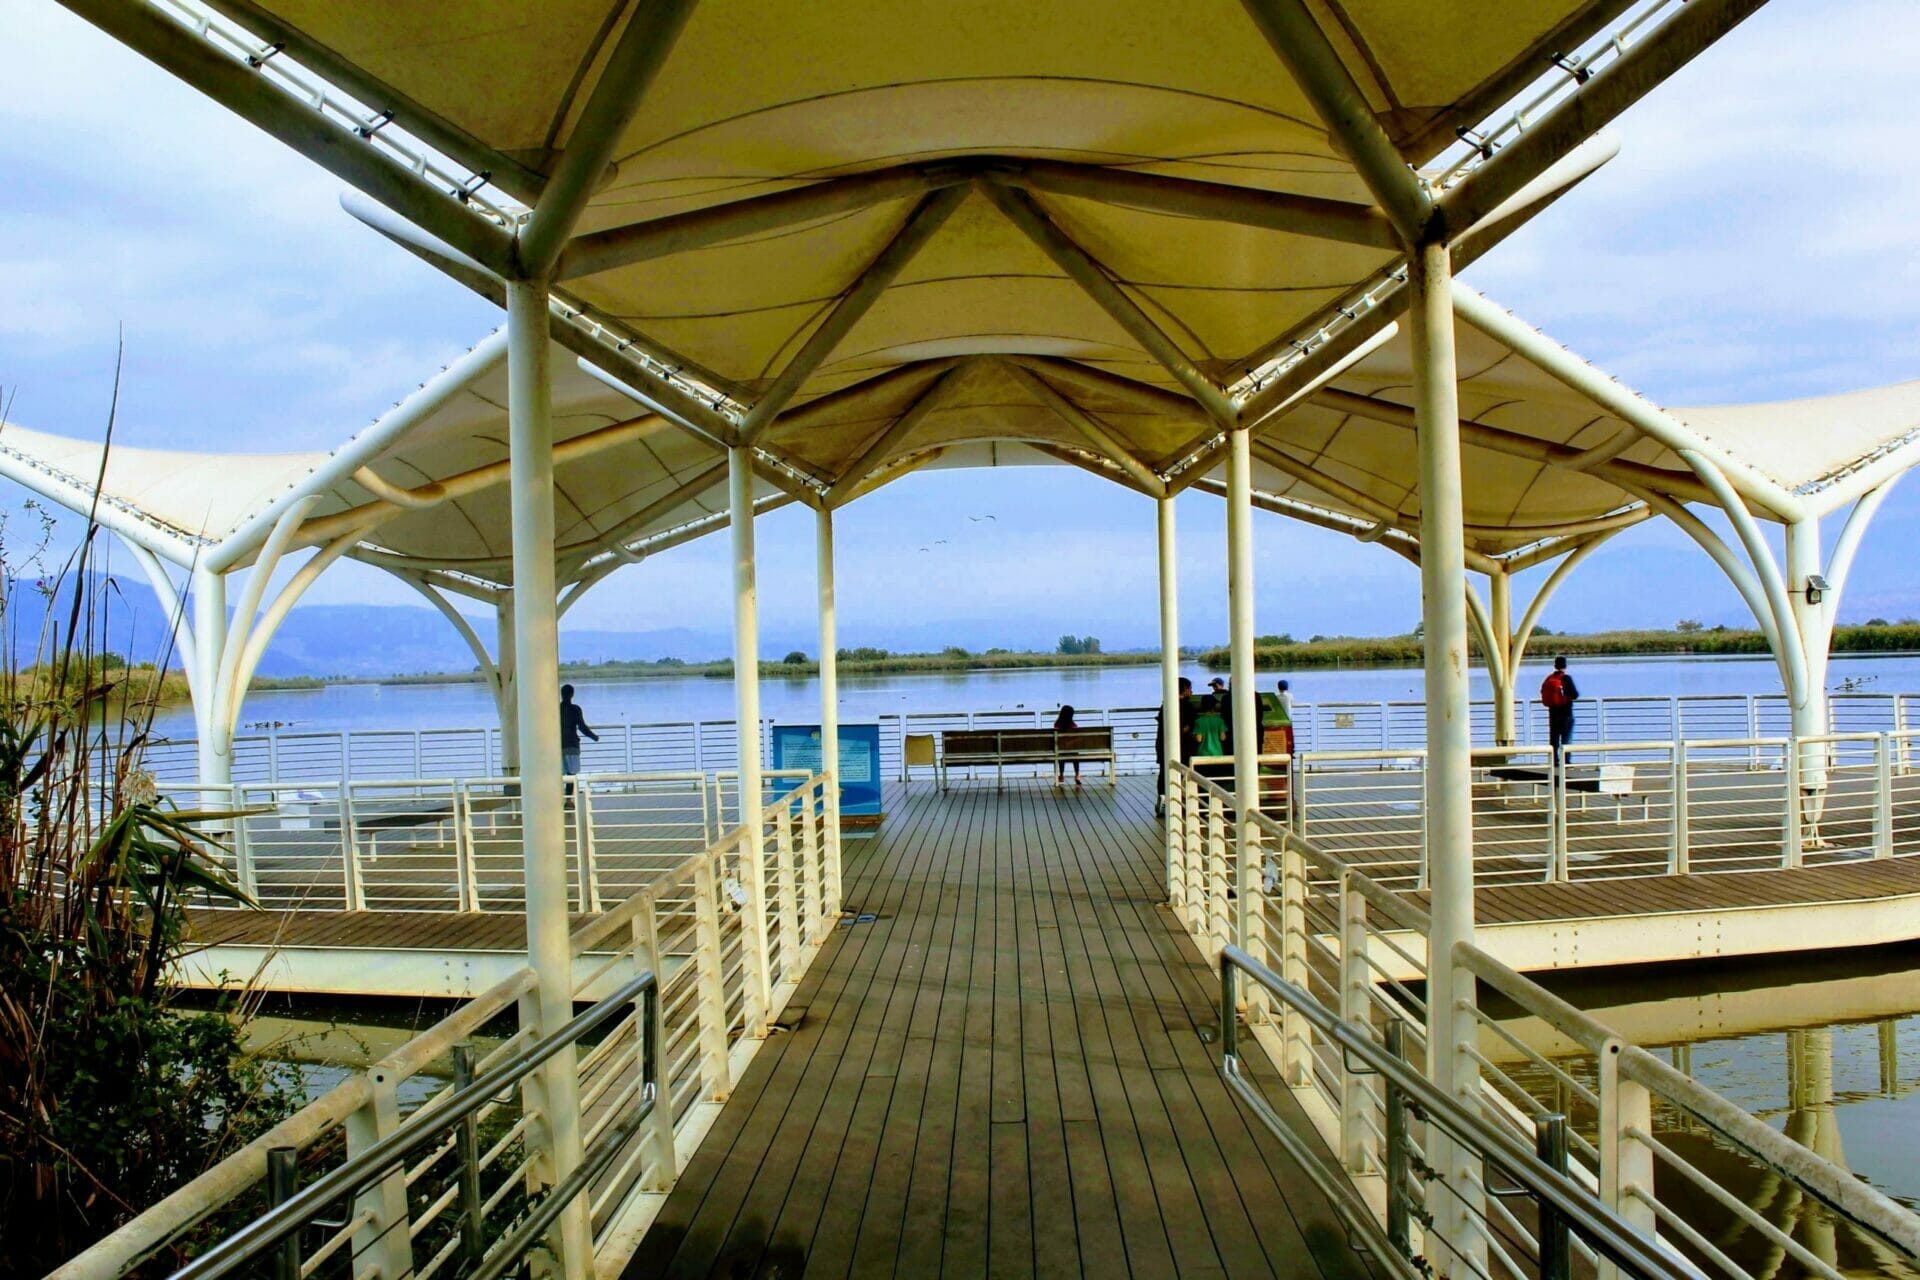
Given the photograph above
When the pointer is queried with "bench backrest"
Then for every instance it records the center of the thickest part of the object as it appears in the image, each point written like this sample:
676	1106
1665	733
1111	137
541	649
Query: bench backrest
990	742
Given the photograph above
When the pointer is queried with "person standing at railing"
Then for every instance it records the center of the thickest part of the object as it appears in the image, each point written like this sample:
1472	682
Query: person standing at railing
1557	695
573	723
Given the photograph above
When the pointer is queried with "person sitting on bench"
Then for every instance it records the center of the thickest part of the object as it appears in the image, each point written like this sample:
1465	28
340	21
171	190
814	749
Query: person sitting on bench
1063	723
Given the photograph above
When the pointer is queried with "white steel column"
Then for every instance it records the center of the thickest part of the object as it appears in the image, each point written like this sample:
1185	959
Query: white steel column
829	681
1246	708
746	699
536	644
1169	649
1501	666
1451	1033
1814	621
507	689
215	749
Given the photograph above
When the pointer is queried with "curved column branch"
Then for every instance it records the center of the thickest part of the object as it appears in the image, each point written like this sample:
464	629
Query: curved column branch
262	631
1840	562
1531	618
176	606
459	621
227	689
1766	568
1743	579
1483	629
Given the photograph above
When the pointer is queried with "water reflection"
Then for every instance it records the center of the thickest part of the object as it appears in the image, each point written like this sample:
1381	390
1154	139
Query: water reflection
1825	1048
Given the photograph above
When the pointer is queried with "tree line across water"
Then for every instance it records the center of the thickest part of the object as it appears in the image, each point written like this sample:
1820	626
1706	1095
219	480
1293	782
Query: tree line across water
1271	653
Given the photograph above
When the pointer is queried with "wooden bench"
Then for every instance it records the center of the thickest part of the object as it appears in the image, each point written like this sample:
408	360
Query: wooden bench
1002	747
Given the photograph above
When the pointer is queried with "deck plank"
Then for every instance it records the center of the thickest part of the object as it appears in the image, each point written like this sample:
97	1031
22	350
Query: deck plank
1004	1077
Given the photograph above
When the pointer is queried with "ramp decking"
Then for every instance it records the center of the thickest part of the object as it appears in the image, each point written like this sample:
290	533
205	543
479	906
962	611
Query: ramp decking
1003	1072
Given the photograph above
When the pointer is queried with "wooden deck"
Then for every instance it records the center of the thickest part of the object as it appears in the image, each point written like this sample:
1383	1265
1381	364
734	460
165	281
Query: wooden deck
1003	1073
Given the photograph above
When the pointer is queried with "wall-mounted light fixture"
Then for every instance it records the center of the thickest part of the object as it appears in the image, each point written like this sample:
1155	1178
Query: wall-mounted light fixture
1815	585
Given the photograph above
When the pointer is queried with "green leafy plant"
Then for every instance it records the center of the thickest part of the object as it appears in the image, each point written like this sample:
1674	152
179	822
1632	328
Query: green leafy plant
111	1092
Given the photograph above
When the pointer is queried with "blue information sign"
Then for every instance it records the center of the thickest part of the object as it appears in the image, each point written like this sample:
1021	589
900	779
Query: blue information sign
797	746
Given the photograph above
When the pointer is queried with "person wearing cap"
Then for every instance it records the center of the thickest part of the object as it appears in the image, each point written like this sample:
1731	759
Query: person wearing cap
1223	697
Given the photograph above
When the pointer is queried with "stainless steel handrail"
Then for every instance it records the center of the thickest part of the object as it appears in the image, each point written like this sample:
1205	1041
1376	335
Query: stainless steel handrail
1859	1202
263	1233
1602	1229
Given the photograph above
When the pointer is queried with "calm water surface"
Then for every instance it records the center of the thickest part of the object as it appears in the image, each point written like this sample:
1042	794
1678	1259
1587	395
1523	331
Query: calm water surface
449	706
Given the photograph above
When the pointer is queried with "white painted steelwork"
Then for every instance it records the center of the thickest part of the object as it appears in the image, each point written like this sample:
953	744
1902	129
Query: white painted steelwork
680	927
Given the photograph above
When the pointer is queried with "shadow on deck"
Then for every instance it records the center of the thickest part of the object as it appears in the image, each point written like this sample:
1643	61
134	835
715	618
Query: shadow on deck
1011	1069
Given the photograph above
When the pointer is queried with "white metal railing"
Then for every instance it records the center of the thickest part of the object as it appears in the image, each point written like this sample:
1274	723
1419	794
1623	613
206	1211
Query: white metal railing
725	962
299	755
1358	947
1623	808
1616	808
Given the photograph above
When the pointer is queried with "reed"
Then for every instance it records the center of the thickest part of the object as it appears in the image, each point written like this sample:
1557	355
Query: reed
110	1093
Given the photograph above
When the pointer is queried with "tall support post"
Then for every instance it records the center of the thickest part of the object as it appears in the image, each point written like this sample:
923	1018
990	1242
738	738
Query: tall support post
1451	1033
829	700
1169	665
1246	708
1501	666
746	699
214	748
1813	619
506	694
554	1090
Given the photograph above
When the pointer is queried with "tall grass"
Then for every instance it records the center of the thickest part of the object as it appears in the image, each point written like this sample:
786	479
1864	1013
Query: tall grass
110	1096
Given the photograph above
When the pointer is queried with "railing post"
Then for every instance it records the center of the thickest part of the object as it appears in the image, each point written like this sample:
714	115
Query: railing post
354	887
1219	919
1883	795
1399	1149
785	875
755	940
1557	820
1356	998
1793	852
811	878
1626	1163
1176	835
383	1245
244	873
473	1243
657	1174
1679	852
1556	1245
710	994
1296	1033
1194	834
283	1179
466	872
1903	764
589	893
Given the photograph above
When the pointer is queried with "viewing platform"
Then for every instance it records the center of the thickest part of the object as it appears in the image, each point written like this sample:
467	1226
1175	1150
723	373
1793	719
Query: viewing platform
435	874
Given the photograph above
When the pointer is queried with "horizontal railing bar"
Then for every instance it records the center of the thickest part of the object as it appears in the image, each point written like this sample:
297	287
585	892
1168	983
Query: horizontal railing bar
276	1224
1584	1211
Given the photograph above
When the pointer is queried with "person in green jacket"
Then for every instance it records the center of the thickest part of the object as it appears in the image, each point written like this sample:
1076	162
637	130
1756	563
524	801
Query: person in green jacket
1210	729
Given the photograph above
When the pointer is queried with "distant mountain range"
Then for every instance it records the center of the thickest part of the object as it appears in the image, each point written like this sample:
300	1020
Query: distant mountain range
388	640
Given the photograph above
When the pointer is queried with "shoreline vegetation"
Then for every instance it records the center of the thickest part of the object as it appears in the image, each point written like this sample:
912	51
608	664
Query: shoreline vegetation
1271	653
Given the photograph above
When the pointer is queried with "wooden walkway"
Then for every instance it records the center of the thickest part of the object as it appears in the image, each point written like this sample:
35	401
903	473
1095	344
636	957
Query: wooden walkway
1008	1071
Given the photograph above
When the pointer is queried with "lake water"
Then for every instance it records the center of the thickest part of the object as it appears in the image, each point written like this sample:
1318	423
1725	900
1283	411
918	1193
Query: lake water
449	706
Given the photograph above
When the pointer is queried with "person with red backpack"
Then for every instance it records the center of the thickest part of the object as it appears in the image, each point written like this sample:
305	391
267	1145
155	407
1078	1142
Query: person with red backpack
1557	694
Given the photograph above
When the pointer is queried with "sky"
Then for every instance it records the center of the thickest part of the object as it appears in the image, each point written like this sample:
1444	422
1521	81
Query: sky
1753	241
